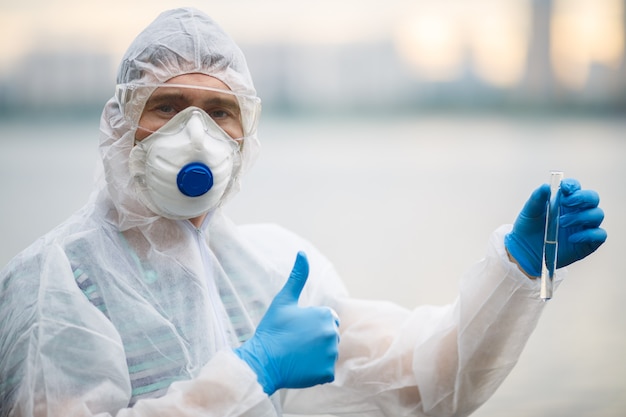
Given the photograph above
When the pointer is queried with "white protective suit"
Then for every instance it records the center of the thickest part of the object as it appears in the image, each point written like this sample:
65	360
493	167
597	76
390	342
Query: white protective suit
119	312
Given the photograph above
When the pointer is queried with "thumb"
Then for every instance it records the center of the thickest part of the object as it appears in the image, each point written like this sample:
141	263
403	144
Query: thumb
295	283
536	204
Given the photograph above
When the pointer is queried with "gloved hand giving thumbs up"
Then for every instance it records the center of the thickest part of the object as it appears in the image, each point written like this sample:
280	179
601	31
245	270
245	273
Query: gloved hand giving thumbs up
293	347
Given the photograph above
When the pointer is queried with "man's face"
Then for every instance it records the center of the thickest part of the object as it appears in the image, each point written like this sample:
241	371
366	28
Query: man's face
165	102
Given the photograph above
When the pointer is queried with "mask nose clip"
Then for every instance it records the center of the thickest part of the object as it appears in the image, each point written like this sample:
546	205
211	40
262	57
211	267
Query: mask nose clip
196	127
194	179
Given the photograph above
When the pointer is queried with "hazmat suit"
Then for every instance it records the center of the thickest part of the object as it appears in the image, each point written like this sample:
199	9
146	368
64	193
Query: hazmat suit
121	312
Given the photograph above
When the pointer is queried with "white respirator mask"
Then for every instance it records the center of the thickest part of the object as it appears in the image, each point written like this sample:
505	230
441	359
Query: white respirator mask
186	167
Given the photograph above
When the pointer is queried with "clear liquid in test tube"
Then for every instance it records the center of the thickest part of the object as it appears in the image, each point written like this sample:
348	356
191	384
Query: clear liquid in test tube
551	236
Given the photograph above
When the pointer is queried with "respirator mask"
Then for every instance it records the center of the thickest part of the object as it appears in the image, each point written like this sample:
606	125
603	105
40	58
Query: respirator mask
186	167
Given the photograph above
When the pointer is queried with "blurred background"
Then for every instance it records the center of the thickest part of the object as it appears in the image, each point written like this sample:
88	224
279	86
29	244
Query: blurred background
340	56
397	135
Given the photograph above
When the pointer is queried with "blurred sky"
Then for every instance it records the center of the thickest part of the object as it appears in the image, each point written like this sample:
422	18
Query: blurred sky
430	35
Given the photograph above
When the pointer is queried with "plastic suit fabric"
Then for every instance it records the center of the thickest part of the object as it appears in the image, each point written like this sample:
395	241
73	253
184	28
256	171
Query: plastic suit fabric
118	312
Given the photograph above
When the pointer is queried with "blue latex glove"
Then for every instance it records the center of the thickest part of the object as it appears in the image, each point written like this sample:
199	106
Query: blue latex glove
293	347
579	227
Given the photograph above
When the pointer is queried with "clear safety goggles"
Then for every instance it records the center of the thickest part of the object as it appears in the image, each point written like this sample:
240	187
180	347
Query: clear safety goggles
135	98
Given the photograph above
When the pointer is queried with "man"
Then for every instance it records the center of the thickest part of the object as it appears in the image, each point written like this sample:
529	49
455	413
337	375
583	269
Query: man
149	302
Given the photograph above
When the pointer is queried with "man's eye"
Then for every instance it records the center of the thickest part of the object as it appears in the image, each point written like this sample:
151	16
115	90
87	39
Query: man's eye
219	114
166	109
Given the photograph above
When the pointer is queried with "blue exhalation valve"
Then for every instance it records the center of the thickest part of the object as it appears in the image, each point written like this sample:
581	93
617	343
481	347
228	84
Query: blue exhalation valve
194	179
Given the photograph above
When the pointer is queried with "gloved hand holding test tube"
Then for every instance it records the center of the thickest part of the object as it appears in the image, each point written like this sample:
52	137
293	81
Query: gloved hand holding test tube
558	218
551	236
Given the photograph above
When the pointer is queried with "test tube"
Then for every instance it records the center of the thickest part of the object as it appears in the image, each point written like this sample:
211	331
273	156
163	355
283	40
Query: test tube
551	236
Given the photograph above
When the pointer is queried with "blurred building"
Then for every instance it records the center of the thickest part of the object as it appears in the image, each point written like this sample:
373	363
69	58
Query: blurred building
58	81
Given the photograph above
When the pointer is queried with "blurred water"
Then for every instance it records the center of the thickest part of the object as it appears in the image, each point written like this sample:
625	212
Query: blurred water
402	207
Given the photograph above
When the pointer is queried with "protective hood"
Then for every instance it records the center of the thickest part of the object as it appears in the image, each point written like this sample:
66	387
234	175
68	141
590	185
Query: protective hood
178	42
